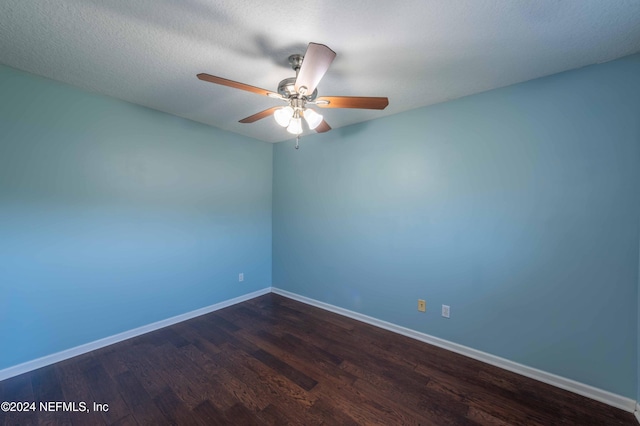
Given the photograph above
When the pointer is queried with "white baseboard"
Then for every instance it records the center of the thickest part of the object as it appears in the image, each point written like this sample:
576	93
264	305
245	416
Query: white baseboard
637	412
606	397
97	344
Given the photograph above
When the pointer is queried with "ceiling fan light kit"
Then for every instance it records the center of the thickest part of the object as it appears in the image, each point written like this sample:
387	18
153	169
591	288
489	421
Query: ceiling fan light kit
283	116
312	118
301	90
295	124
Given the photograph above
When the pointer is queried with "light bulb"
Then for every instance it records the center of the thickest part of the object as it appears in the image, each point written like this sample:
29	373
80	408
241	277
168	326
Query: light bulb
295	126
283	115
313	118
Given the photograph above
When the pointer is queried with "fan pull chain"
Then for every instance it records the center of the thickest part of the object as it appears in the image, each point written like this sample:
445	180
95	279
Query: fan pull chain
297	140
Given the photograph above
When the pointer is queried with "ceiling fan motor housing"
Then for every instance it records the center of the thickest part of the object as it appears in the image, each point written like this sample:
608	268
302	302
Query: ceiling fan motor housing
287	89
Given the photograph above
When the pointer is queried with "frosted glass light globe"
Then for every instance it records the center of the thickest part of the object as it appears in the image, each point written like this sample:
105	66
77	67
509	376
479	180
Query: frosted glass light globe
283	115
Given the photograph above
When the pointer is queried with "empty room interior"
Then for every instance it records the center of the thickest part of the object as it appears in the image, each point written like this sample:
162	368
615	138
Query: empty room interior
324	212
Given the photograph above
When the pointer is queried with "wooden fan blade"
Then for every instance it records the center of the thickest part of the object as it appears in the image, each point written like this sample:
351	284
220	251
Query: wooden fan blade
260	115
323	127
236	85
315	64
352	102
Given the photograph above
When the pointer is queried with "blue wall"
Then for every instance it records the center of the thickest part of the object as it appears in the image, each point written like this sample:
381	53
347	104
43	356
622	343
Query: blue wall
517	207
113	216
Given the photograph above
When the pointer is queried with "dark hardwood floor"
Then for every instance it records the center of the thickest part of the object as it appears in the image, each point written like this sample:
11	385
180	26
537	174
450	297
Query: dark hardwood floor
275	361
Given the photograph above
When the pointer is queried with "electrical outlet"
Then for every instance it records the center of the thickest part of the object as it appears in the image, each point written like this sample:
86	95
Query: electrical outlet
422	305
446	311
241	277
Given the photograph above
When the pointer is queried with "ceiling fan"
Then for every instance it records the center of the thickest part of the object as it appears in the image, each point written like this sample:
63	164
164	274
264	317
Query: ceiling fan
300	91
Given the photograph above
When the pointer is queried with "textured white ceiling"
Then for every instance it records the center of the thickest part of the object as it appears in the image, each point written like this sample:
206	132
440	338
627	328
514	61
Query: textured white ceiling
416	52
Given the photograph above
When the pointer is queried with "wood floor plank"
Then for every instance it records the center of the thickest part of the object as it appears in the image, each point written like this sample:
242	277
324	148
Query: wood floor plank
314	366
18	389
129	420
76	388
188	382
149	376
211	414
293	401
216	391
239	390
104	390
326	410
361	409
168	334
273	360
241	415
406	406
296	376
297	310
272	415
174	359
174	409
223	323
240	381
138	399
111	360
46	387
